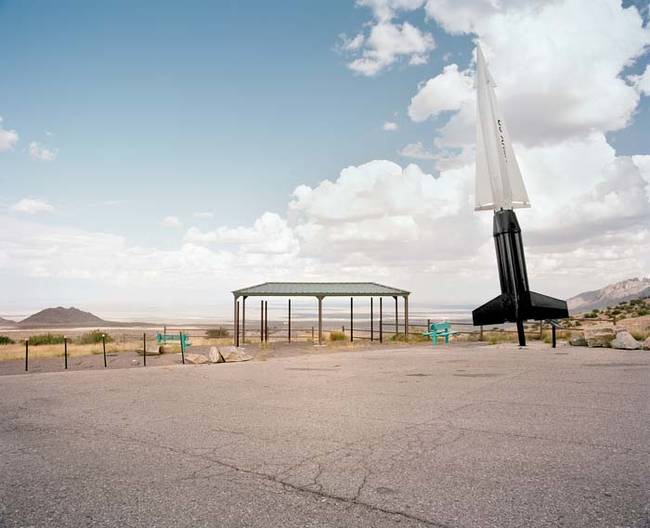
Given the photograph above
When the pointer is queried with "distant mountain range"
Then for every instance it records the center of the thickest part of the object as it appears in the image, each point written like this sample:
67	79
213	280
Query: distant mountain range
63	318
609	295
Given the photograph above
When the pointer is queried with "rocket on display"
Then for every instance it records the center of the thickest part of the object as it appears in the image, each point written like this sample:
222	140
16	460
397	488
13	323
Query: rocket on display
500	187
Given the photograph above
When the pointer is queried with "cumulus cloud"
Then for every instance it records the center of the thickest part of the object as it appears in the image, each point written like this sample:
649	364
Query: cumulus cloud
548	95
642	82
389	126
387	43
8	138
171	221
40	152
446	91
32	206
416	151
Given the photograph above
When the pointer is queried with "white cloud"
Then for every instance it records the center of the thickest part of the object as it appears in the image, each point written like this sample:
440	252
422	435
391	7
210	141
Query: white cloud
549	95
387	43
446	91
351	44
171	221
203	215
390	126
32	206
38	151
384	10
642	82
416	151
8	138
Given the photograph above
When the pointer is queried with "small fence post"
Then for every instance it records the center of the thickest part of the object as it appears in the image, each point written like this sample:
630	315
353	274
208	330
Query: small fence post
381	320
144	348
541	329
65	351
26	354
312	333
104	348
480	337
180	336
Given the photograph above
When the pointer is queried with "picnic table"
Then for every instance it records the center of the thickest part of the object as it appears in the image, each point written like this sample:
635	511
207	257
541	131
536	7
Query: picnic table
437	330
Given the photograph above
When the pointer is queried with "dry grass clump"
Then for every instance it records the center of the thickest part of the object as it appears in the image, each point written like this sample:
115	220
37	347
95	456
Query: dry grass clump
336	336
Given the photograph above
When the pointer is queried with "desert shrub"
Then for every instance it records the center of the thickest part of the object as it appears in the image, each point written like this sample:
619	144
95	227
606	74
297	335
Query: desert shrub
45	339
590	315
4	340
214	333
337	336
641	312
93	337
616	311
640	335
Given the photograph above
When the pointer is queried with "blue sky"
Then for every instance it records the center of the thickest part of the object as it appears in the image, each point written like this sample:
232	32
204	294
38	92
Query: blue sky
215	106
168	109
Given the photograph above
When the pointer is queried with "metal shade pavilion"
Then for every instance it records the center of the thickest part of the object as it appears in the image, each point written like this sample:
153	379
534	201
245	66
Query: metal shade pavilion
320	290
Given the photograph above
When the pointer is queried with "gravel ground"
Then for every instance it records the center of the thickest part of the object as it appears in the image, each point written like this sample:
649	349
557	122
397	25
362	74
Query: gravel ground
462	436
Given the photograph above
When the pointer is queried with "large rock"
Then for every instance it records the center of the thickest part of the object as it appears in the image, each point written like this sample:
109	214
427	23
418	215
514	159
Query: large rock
599	337
196	359
625	341
578	340
233	354
214	356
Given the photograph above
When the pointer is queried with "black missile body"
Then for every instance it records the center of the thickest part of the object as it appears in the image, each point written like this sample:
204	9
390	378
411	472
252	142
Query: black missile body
516	303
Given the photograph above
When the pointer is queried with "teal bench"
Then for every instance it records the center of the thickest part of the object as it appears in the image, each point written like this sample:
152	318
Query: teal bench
181	338
437	330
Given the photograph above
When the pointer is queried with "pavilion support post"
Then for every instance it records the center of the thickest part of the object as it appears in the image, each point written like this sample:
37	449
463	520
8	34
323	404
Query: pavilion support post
236	323
261	321
243	320
406	317
266	321
381	320
320	320
289	329
351	319
372	322
235	329
396	316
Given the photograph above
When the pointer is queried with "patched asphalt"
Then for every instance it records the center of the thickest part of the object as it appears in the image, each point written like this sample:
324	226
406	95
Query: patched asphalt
457	436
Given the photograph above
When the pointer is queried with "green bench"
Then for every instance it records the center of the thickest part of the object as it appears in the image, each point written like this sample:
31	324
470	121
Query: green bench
181	338
437	330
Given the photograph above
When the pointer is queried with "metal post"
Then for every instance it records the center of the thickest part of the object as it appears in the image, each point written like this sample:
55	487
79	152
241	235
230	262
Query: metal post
428	324
235	333
65	351
237	323
312	334
261	321
243	320
266	321
104	348
541	329
381	320
553	332
289	332
180	336
26	355
372	322
406	318
144	348
320	321
480	337
351	319
396	317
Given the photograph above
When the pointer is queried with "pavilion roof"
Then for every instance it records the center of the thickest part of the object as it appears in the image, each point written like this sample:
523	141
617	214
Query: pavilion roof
319	289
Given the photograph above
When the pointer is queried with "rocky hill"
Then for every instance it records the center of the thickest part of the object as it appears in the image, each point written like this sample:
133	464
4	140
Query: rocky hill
610	295
7	323
53	317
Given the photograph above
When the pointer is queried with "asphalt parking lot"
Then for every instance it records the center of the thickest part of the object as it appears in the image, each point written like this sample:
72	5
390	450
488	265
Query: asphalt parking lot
457	436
